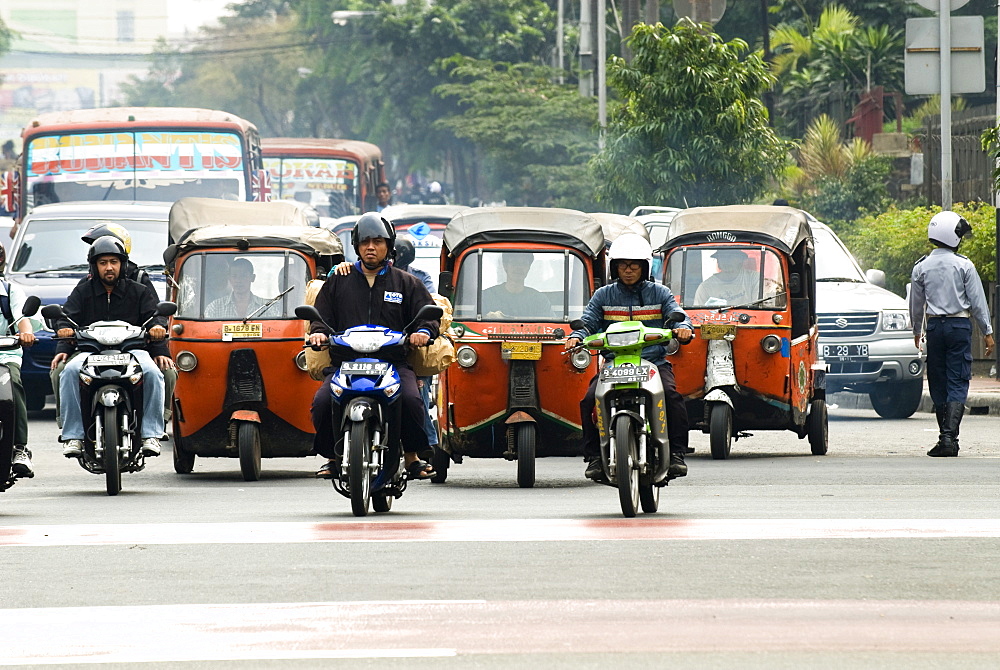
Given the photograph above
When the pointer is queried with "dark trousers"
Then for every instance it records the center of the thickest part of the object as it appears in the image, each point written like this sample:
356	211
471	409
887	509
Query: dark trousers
406	417
949	358
677	418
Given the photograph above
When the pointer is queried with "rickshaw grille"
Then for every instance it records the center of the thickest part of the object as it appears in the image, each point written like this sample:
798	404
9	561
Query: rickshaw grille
523	392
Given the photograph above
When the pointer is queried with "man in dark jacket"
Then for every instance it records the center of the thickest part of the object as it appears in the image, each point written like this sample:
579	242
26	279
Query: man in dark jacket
375	293
108	296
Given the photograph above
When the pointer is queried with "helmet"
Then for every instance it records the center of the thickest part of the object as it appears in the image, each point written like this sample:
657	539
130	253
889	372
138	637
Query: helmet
369	225
630	247
405	252
948	228
105	246
434	187
102	229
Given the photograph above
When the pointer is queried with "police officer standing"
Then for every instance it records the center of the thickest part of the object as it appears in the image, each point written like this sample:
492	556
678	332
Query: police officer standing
947	288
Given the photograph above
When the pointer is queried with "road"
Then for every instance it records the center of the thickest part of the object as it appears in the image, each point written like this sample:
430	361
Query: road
873	556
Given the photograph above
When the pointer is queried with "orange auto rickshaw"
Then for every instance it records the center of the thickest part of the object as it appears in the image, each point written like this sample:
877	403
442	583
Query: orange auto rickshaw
243	390
746	276
516	276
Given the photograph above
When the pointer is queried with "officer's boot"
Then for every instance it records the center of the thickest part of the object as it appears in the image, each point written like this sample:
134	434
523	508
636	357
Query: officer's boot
949	434
939	412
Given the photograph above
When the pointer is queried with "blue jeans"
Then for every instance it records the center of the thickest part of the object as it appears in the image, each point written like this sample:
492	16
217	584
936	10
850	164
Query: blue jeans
152	398
425	395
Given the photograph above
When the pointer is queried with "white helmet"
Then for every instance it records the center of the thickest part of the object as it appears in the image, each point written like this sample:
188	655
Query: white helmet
630	247
948	228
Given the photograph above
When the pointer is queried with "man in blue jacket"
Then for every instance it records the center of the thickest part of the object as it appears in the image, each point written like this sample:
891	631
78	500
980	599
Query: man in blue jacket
633	297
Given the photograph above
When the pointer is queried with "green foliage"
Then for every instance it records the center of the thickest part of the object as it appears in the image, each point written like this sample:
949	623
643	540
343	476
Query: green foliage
861	190
894	240
6	37
691	127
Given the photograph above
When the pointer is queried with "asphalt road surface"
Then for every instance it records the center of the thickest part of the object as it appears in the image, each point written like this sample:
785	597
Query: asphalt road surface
873	556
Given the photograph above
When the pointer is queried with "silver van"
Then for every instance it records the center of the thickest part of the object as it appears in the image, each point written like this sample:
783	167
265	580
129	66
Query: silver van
865	333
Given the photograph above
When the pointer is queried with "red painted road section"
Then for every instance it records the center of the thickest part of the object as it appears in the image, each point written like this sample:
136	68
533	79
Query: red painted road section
445	628
509	530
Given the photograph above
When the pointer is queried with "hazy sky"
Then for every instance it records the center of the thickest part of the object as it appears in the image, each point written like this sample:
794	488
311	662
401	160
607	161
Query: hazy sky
189	14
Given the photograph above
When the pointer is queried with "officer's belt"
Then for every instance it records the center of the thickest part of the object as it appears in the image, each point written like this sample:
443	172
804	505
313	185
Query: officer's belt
963	313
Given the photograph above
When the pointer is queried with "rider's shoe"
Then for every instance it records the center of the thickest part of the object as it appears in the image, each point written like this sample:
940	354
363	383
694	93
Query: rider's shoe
73	448
328	470
21	461
150	446
678	468
595	470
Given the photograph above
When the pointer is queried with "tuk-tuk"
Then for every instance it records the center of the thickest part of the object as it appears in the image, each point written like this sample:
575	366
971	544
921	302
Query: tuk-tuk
615	225
746	277
516	276
243	389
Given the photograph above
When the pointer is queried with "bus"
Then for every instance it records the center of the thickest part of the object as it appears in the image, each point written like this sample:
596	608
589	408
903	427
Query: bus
337	177
136	154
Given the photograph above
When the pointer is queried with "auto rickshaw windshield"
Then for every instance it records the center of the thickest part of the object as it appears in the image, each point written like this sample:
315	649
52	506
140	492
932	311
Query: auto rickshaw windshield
235	286
707	277
519	285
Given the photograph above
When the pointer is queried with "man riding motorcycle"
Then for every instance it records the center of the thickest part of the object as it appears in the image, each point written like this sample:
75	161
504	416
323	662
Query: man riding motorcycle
11	304
634	297
374	292
108	296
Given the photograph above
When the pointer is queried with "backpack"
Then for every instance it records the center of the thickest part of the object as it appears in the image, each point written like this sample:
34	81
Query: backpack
5	302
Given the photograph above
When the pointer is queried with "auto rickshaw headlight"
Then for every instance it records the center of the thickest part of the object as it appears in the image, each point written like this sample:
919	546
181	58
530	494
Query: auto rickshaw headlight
580	359
186	361
300	361
771	344
466	356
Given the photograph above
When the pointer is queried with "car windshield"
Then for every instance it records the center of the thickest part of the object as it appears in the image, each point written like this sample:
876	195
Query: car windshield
833	261
51	244
519	285
706	277
331	185
235	286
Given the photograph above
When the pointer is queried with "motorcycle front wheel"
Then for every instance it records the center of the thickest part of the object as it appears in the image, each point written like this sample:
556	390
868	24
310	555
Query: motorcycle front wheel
111	442
626	476
359	472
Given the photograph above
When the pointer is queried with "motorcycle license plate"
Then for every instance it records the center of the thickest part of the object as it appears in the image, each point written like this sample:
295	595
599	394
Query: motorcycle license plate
626	374
717	331
521	351
241	331
845	352
355	368
108	359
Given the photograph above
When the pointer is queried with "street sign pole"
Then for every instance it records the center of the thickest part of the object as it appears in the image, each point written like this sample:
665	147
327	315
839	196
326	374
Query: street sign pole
944	17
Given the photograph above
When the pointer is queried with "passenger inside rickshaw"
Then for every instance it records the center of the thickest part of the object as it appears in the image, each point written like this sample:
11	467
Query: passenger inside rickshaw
521	286
229	286
727	277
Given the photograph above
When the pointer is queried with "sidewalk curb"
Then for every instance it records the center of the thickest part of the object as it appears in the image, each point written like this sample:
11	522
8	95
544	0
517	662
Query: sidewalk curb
978	402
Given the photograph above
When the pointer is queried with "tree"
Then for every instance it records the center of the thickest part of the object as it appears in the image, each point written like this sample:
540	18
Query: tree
691	128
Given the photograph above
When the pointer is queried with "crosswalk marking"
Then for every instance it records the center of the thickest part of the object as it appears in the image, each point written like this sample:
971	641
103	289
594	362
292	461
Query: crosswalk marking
506	530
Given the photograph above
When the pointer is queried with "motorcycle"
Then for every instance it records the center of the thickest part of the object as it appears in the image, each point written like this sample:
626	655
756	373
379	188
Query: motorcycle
368	390
111	394
630	412
8	414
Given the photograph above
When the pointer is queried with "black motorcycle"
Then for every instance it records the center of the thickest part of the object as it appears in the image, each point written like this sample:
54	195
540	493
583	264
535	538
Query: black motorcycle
8	415
111	393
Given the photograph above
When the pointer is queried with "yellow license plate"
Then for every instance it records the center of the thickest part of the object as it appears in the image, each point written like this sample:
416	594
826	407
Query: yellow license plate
242	331
521	351
717	331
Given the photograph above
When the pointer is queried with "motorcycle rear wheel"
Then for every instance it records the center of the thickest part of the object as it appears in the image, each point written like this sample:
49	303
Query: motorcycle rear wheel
626	476
359	474
111	442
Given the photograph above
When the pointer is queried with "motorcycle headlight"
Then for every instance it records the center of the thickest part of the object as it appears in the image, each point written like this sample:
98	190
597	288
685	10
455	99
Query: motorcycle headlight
896	320
466	356
580	359
623	339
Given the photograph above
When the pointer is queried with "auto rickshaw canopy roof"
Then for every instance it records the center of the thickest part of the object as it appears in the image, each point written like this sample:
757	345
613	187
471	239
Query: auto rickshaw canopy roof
406	212
782	227
482	225
189	213
615	225
309	240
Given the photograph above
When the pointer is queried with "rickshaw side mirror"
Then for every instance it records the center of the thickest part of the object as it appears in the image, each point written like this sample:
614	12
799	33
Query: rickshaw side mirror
444	283
577	324
31	305
170	254
308	313
676	316
795	283
166	308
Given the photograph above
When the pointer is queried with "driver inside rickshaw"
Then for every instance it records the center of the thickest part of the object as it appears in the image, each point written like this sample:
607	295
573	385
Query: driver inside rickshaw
241	301
734	283
512	298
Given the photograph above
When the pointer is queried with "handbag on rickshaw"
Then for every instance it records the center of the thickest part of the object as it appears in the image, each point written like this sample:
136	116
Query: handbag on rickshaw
434	358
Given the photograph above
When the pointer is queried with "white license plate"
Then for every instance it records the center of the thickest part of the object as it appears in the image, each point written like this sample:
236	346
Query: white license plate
845	352
626	374
355	368
108	359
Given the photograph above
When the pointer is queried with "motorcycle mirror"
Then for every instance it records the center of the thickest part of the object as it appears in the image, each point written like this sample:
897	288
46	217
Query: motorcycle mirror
52	311
166	308
676	316
794	283
425	313
31	305
308	313
577	324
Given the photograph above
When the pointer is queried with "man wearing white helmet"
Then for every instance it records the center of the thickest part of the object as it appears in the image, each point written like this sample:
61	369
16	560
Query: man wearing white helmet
947	289
633	297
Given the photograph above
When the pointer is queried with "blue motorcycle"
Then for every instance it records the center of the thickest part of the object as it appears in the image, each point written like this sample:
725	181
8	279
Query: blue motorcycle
367	391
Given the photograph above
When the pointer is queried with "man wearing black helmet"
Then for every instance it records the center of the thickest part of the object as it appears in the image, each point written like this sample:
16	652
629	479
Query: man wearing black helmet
11	303
108	296
376	293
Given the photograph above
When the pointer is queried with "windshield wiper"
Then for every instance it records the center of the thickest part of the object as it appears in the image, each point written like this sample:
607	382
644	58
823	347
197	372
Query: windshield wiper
263	308
849	280
751	304
65	268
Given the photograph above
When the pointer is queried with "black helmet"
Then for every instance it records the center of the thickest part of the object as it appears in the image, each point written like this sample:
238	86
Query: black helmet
370	225
405	252
108	245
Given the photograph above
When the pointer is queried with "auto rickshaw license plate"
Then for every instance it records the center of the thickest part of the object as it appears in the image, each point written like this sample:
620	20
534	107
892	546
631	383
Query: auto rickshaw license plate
626	374
521	351
717	331
241	331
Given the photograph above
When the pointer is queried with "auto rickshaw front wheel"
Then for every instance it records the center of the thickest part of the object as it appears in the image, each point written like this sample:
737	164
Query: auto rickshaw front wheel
720	430
526	433
817	427
248	443
183	461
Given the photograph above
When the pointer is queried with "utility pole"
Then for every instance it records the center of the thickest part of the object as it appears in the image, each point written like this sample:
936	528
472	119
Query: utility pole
586	51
